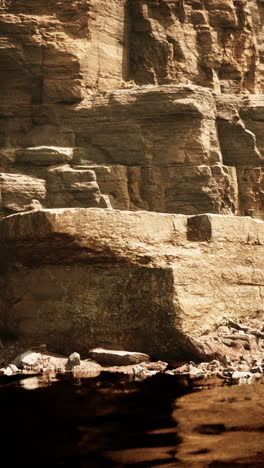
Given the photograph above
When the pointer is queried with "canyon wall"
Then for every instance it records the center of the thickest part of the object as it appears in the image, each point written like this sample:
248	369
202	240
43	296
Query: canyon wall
131	105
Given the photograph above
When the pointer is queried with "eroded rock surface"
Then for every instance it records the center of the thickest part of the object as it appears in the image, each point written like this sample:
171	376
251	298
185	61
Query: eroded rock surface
172	149
155	148
101	278
130	105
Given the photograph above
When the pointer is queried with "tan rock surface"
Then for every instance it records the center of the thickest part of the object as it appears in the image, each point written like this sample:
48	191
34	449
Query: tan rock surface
132	105
101	278
176	149
210	43
18	193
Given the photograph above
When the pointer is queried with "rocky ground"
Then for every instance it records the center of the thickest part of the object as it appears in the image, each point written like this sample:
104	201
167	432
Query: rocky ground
239	349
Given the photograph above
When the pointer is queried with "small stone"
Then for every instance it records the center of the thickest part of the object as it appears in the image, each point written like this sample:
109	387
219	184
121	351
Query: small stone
138	370
158	366
243	368
227	360
13	368
43	347
73	360
227	342
8	371
215	362
203	366
253	378
241	377
194	372
257	370
29	359
184	369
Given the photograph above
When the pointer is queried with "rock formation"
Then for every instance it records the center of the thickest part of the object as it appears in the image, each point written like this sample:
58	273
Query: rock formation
111	109
73	278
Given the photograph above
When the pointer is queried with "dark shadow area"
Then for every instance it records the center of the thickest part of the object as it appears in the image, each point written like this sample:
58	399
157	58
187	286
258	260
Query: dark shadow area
90	423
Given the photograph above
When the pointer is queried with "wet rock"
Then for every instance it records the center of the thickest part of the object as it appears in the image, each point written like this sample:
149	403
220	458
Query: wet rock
257	370
73	360
13	368
184	369
241	377
7	371
117	358
158	366
28	358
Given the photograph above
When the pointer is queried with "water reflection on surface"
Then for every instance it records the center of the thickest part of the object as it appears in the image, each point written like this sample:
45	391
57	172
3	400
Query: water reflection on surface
222	426
113	421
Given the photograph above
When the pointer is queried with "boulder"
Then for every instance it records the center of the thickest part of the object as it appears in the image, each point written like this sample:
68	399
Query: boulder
28	358
73	360
109	357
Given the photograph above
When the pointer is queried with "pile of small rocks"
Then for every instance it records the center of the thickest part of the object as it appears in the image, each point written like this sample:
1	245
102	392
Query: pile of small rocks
237	371
135	364
239	349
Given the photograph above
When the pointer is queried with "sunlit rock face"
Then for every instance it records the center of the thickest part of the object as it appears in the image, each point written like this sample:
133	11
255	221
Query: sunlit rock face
171	148
109	108
78	278
209	43
127	89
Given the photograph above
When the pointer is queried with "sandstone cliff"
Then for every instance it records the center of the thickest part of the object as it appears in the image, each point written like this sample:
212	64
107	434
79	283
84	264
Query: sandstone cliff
76	278
131	105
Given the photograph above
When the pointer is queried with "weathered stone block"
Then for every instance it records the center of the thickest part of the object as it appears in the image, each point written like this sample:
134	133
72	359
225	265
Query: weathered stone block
18	192
44	155
68	187
163	125
108	227
210	227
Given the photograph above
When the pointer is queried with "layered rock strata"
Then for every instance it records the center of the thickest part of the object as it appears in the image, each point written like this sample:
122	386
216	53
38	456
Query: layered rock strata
176	149
57	56
77	278
130	105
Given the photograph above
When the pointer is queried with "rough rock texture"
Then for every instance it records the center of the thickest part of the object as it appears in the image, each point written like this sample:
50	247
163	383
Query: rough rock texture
130	105
63	67
207	42
117	358
19	192
165	149
141	281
